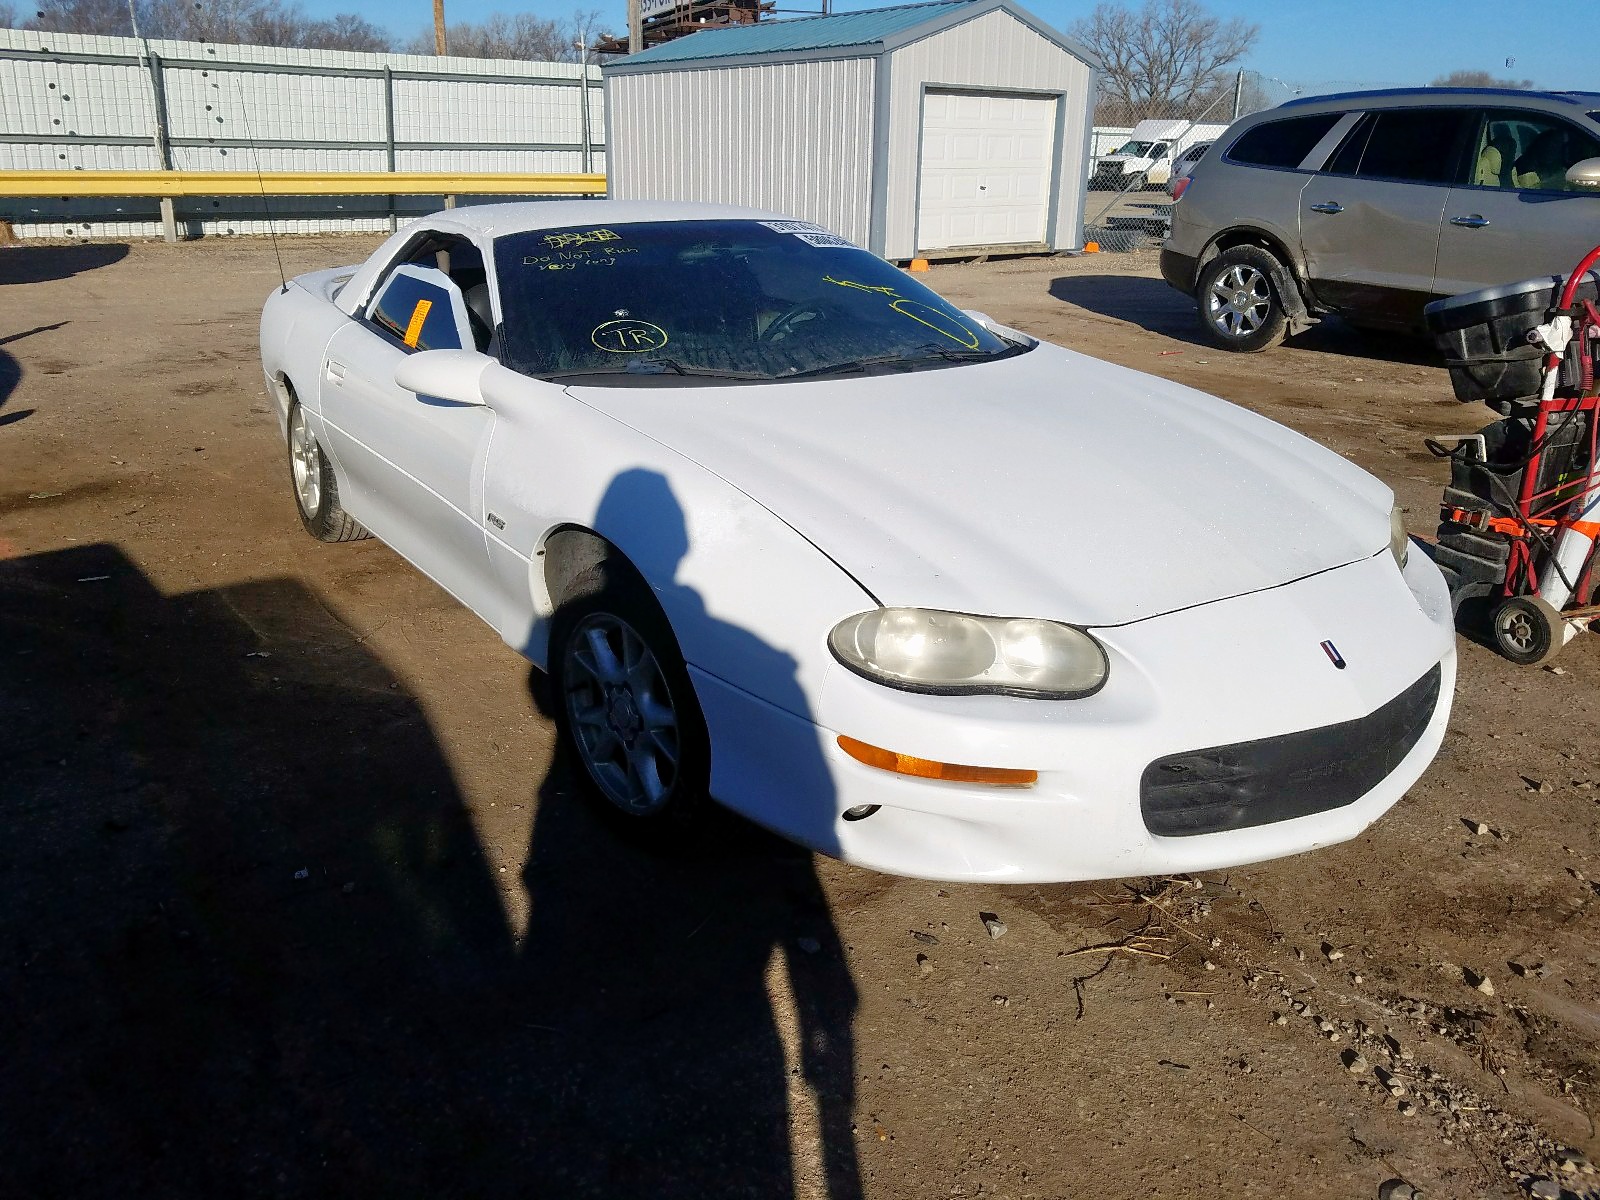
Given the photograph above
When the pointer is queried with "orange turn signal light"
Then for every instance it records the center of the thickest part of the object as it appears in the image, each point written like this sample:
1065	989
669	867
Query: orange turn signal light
927	768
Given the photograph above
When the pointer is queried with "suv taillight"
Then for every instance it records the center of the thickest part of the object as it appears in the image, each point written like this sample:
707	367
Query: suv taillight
1179	188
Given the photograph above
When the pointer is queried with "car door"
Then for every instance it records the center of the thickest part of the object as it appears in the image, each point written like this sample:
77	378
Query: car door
1369	220
1516	216
414	463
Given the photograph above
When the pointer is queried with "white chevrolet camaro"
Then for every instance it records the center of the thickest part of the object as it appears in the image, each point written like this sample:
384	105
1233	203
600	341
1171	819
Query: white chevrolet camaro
914	589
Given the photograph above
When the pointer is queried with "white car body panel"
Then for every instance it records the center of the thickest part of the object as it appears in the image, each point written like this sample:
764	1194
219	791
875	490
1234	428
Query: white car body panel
1209	550
1021	488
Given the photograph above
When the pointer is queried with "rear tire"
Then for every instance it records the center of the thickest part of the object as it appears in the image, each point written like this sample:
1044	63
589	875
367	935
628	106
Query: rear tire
625	707
1240	308
316	491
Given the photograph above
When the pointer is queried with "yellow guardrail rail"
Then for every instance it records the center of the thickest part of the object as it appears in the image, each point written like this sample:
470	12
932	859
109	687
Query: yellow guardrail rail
170	184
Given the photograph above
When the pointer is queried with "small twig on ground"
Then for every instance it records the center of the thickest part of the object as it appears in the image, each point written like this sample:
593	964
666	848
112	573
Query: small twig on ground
1253	1129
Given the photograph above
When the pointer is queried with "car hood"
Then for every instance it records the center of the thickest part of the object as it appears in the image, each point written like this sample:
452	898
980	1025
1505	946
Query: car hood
1050	484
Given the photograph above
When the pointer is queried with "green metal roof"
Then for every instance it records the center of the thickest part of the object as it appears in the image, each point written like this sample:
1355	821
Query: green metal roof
835	31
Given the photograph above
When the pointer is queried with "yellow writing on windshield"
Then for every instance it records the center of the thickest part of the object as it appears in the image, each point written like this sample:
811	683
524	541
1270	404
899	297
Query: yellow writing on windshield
557	240
943	323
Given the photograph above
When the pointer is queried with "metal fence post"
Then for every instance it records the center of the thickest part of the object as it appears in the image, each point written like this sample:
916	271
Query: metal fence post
163	141
388	134
1238	94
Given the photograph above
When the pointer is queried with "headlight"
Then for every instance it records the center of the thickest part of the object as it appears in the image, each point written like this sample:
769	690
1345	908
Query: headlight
1399	541
925	650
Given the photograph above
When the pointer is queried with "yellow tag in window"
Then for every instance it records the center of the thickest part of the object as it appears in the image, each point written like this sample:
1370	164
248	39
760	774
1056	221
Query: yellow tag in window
419	314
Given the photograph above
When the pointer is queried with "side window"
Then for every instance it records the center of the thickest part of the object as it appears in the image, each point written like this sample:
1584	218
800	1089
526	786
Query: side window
1412	145
1282	143
1160	152
1529	151
422	309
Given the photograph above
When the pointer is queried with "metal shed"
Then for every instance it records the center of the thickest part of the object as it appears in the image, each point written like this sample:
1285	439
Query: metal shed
920	129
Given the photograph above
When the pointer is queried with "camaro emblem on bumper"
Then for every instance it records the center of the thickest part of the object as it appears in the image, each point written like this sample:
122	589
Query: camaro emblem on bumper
1333	654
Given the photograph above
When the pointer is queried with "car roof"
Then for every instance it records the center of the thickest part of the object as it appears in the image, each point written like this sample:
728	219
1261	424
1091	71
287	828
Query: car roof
498	220
1446	95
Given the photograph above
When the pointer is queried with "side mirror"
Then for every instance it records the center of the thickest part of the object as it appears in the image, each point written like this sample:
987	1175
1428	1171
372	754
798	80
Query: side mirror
453	375
1585	174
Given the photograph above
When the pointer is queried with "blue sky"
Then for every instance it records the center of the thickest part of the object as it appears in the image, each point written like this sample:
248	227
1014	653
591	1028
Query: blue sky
1302	41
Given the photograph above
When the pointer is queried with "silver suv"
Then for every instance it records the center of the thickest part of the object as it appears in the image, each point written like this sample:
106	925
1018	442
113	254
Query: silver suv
1371	204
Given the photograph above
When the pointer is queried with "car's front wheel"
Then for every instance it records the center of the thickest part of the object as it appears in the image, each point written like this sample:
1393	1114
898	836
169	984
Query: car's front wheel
1240	308
625	706
316	491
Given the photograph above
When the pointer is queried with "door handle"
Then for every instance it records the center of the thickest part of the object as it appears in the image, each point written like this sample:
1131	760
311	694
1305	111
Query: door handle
1475	221
335	370
1329	207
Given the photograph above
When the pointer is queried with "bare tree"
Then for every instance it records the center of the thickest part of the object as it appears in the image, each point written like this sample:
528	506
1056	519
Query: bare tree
1480	79
517	35
81	16
1170	58
242	22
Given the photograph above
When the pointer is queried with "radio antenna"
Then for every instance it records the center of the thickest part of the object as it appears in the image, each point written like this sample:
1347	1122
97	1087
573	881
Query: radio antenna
255	154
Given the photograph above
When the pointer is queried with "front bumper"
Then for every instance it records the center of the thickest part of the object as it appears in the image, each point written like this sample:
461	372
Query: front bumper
1216	676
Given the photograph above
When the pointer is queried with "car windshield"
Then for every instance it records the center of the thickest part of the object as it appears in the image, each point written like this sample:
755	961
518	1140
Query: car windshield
1135	149
657	302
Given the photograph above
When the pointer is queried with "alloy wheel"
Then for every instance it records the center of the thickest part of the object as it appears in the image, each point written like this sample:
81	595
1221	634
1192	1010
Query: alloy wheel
623	716
305	460
1239	301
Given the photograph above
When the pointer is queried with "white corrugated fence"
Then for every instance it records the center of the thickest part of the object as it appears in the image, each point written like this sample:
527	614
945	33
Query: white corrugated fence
89	103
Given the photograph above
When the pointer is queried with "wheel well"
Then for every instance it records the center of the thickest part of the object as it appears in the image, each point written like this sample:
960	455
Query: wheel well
1230	238
567	553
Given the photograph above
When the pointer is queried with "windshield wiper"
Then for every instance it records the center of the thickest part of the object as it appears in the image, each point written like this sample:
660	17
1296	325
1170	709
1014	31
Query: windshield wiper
665	365
907	359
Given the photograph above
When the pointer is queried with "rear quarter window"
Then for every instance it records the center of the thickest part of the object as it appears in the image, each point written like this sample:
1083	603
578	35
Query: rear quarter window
1281	143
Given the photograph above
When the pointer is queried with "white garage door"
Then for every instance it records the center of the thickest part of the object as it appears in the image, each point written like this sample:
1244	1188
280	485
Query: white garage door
985	169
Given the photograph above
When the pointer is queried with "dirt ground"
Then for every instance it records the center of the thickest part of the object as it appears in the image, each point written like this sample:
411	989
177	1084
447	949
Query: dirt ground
295	902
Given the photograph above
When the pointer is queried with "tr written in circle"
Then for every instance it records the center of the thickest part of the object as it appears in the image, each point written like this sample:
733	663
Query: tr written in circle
628	336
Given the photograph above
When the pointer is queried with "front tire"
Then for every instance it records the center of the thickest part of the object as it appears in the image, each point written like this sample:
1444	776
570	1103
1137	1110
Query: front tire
1240	308
316	491
626	709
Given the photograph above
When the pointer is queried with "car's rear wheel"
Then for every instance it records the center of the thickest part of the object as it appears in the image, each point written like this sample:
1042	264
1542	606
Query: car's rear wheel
316	491
1240	308
625	706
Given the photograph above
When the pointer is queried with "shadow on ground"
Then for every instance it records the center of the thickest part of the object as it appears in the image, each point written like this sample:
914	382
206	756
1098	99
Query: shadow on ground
1153	305
250	942
11	371
38	264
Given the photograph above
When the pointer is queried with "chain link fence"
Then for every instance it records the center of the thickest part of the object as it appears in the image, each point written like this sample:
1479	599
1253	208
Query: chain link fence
1138	150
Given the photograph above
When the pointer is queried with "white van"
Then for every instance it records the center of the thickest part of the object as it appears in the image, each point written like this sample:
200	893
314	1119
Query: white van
1145	159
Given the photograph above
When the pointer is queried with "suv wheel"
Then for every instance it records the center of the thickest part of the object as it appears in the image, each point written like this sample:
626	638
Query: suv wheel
1240	307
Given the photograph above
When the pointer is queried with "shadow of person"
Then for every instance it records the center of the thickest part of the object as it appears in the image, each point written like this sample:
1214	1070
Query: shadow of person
245	919
697	990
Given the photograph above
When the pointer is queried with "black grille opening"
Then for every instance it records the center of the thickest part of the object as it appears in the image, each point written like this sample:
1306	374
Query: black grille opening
1279	778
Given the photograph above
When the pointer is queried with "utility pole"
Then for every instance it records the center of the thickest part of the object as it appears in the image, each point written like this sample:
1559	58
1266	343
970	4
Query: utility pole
635	27
583	112
439	46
